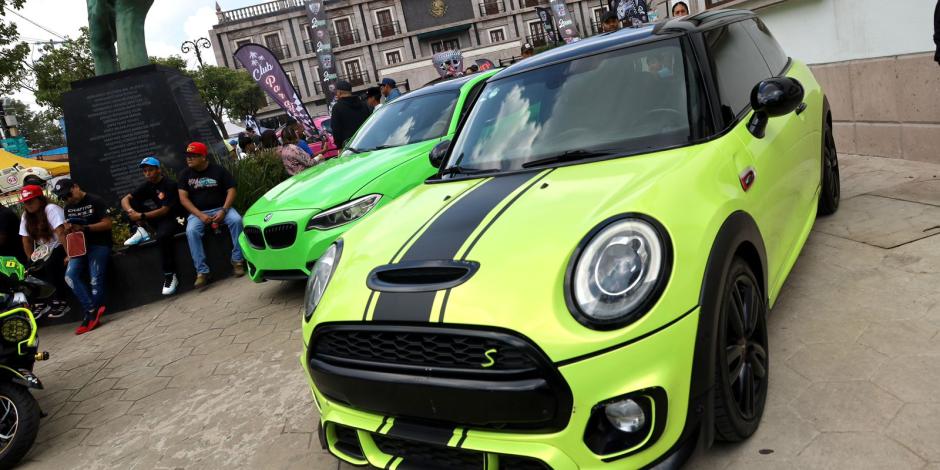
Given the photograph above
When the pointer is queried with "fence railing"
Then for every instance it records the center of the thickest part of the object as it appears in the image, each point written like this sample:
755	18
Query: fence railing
259	10
384	30
346	38
492	7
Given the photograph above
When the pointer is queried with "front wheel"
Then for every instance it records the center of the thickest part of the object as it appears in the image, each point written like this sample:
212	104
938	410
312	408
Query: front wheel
742	367
19	423
831	191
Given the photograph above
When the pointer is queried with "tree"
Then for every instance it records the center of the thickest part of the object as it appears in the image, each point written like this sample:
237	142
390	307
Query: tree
173	61
13	52
229	91
59	66
37	126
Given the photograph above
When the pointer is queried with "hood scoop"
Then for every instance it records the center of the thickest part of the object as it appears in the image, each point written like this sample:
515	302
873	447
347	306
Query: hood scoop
421	276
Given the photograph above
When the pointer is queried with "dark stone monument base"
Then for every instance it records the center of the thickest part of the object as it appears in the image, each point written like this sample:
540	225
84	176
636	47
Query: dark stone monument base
134	277
113	121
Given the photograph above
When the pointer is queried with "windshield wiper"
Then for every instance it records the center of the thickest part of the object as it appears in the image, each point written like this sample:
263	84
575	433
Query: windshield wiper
380	147
566	156
459	170
353	150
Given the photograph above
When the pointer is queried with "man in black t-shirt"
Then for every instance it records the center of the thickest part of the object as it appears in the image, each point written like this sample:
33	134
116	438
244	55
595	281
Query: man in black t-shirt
153	206
207	191
10	242
86	213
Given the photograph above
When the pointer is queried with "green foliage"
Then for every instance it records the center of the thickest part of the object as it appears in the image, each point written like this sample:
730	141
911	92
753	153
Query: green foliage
227	90
37	126
13	53
59	66
173	61
254	176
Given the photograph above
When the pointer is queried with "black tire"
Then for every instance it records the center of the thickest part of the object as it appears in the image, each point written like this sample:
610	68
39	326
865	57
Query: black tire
17	399
831	190
742	355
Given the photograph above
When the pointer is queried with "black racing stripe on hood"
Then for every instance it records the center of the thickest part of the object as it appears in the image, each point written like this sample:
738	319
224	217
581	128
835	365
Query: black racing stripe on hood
441	241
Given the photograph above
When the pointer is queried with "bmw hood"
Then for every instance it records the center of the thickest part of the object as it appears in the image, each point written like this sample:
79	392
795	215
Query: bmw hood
515	235
336	180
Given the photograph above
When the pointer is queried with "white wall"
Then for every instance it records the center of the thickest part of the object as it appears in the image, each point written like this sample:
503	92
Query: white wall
822	31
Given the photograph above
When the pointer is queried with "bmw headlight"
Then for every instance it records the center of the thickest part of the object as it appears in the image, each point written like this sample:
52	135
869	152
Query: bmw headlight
319	278
344	214
618	272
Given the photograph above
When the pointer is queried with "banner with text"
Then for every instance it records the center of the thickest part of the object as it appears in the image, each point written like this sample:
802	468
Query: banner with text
567	28
322	44
548	24
634	12
265	69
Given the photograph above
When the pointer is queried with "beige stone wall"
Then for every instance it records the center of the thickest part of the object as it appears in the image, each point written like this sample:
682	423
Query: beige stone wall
886	107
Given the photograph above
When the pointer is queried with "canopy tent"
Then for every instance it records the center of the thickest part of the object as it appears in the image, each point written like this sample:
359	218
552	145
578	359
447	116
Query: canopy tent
7	160
61	151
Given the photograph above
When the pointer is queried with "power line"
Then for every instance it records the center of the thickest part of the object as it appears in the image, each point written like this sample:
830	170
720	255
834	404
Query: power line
38	25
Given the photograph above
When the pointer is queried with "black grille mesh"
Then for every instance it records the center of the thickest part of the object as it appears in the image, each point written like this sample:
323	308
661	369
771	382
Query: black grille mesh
253	234
281	235
430	456
423	349
513	462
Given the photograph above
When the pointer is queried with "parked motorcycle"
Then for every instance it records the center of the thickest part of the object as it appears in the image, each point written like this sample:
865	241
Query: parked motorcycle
19	410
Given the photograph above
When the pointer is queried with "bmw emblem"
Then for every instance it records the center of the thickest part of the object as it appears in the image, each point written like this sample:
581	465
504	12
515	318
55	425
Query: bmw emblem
268	217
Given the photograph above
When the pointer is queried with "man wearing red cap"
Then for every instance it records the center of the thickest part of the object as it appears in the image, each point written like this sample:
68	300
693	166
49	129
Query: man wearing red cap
207	191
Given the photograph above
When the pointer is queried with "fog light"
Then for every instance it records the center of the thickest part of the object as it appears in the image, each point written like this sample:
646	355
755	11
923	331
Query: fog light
626	415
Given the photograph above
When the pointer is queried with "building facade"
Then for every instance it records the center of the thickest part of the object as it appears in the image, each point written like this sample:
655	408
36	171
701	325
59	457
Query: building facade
374	39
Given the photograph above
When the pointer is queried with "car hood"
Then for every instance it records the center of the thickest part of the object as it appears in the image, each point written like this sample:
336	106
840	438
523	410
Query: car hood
336	180
521	229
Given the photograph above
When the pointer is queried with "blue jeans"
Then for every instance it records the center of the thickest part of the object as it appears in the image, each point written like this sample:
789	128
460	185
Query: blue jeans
195	229
95	263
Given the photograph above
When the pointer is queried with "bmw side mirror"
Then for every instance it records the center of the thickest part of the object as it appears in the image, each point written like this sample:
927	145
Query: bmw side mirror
438	153
773	97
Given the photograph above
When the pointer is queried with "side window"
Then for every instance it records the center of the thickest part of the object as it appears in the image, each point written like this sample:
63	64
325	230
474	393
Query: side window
774	54
738	66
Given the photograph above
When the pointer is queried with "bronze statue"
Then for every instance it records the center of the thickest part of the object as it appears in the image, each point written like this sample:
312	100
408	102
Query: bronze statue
121	22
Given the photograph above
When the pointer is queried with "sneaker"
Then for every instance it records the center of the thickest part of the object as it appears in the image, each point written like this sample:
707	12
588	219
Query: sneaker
82	329
238	267
139	237
169	284
96	322
40	310
201	280
59	309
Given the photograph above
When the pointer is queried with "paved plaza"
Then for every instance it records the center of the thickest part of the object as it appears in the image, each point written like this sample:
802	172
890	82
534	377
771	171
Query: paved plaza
212	380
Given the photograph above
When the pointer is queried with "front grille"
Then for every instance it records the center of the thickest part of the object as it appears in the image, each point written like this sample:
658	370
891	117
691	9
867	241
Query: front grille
347	441
514	462
446	375
423	349
281	235
430	456
253	234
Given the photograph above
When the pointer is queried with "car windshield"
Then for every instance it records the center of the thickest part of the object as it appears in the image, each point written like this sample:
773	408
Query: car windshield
626	101
405	121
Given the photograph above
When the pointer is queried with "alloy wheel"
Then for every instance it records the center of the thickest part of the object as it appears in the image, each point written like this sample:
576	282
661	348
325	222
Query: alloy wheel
9	422
746	347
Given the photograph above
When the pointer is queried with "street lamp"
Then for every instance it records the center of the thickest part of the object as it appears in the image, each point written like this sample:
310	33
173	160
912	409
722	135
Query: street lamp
194	46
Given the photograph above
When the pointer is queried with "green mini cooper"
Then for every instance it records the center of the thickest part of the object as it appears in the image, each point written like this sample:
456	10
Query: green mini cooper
585	283
293	224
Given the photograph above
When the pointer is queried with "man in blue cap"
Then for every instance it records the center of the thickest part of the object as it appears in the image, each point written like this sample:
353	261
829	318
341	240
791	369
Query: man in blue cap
154	206
389	89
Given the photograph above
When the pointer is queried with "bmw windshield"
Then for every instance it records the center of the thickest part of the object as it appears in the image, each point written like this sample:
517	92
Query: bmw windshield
405	121
626	101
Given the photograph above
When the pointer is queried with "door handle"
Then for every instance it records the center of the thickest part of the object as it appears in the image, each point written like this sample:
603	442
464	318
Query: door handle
800	109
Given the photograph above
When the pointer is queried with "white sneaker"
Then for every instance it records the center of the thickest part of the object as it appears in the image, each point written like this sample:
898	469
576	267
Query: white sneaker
169	284
139	237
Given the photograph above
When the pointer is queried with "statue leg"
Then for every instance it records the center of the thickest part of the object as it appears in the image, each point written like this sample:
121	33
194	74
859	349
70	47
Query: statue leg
131	15
101	35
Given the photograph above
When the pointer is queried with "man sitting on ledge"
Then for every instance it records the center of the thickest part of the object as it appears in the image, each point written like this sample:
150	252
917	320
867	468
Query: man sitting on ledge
207	191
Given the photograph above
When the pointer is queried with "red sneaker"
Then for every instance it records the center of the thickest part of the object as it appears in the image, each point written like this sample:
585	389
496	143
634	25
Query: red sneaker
82	329
97	320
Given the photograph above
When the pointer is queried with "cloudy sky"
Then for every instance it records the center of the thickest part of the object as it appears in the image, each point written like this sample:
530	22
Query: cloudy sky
169	23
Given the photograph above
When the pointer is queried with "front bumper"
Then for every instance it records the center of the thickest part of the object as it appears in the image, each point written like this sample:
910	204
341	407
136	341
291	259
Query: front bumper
663	360
292	262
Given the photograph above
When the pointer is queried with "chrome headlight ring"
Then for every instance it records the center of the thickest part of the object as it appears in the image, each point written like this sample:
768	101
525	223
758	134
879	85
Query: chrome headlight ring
618	271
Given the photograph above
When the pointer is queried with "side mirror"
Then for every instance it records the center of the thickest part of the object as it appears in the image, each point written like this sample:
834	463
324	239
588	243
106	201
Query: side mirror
773	97
438	153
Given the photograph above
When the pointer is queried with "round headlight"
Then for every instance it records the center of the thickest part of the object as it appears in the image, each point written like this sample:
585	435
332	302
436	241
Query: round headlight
319	278
15	330
618	272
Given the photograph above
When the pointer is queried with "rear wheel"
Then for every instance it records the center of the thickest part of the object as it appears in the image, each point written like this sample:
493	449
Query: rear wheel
19	423
742	367
831	188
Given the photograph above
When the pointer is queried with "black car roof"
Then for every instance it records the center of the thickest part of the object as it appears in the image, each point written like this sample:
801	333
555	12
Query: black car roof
627	36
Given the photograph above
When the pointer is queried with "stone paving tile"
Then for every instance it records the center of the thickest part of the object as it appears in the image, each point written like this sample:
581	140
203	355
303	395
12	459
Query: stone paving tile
212	380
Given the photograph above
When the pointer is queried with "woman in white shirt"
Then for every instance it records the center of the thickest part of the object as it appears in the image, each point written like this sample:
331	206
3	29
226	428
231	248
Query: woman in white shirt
43	230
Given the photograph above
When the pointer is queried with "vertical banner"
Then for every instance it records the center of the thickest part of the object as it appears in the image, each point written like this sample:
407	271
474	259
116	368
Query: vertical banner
567	28
634	12
265	69
548	23
320	40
